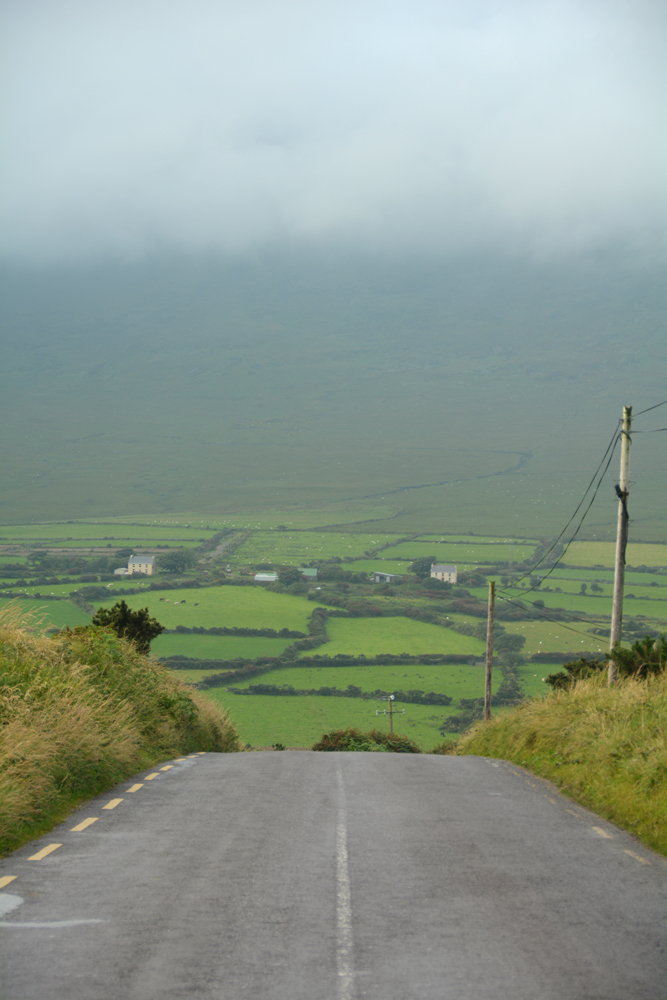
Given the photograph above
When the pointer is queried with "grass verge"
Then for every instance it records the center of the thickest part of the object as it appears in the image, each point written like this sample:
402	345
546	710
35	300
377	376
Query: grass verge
82	712
604	747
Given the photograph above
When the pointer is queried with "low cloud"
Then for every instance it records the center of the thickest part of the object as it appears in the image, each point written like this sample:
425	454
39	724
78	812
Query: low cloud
136	126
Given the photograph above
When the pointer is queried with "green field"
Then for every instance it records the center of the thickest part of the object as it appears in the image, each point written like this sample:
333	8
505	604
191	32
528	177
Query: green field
217	647
453	679
477	540
107	531
230	607
50	614
290	548
467	552
603	554
370	636
299	722
67	588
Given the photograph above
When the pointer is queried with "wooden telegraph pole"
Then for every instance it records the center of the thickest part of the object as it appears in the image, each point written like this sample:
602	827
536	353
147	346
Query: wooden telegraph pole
489	650
621	539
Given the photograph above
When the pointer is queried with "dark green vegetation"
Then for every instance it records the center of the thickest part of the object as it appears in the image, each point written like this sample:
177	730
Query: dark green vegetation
81	712
412	395
135	626
647	656
352	739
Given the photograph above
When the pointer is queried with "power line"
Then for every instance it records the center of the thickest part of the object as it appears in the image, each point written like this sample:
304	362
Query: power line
508	600
609	452
649	408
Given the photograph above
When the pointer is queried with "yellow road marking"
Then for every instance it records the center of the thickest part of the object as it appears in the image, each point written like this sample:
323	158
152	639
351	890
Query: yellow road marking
135	788
86	823
193	755
168	767
112	804
149	777
5	880
179	759
602	833
44	851
638	857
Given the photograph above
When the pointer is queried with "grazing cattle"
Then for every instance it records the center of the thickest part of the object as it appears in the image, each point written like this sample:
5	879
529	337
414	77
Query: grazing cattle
196	604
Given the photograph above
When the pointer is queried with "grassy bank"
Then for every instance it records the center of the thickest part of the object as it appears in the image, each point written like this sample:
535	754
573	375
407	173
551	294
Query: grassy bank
604	747
80	713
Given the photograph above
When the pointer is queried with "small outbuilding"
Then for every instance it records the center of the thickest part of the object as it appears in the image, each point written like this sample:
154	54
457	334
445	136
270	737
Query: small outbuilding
444	572
266	577
309	575
386	577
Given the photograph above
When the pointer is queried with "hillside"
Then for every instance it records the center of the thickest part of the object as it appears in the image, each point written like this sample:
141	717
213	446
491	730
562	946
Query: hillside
79	713
604	747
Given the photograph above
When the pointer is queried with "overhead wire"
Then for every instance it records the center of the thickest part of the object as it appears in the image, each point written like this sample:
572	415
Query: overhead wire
608	455
609	452
649	408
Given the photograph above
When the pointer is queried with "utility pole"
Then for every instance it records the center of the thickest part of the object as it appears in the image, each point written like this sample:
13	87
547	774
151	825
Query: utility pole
390	712
489	650
621	539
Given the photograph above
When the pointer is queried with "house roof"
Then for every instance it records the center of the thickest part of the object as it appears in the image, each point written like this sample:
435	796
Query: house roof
142	559
443	568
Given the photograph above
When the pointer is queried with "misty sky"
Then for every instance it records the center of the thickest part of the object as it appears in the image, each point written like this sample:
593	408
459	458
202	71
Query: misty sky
132	126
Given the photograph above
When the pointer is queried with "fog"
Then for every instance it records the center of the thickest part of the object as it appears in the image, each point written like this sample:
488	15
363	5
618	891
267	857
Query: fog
134	127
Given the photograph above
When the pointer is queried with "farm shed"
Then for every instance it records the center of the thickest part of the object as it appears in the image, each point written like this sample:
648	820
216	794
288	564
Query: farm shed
444	572
309	575
386	577
266	577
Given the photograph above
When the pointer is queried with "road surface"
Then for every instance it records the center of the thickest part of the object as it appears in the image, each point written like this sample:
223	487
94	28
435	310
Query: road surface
333	876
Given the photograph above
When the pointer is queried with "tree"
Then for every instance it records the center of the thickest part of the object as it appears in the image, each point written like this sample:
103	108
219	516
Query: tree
177	561
136	626
510	642
288	575
422	567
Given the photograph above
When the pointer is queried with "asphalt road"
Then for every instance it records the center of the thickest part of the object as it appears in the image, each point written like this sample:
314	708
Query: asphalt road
316	876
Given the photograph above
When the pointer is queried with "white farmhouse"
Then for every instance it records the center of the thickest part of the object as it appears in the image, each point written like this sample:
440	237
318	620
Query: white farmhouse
444	572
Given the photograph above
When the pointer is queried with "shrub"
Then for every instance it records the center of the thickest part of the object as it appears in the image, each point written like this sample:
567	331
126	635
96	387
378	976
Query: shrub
355	740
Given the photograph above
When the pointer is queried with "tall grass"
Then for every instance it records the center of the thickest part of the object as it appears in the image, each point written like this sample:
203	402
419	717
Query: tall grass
81	712
605	747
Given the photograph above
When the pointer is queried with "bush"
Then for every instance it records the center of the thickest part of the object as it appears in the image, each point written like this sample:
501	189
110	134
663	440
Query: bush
355	740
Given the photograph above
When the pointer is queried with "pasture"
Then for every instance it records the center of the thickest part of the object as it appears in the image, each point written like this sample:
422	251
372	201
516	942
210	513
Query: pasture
298	722
461	552
217	647
603	554
371	636
230	607
453	679
50	614
106	531
292	548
